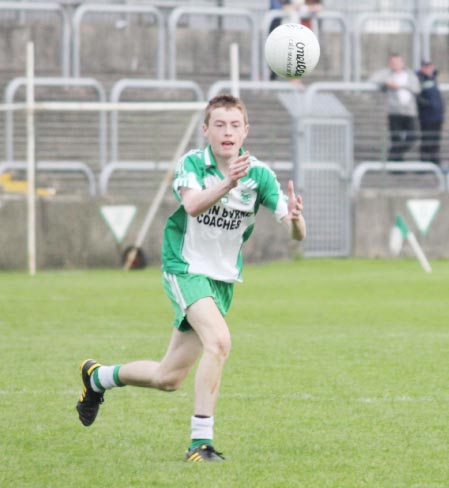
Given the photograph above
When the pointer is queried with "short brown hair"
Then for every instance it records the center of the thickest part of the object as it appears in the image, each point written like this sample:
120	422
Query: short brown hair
227	101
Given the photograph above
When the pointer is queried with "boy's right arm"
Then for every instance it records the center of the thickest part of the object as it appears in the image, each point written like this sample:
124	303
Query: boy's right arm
196	202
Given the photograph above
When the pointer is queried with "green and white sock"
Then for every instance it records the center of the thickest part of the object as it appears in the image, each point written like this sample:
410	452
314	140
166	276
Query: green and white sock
202	431
105	378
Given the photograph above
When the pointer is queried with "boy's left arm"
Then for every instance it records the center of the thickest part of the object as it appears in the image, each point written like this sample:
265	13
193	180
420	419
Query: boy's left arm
294	218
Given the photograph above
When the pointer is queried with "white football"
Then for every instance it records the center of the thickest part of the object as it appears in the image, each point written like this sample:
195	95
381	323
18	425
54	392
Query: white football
292	50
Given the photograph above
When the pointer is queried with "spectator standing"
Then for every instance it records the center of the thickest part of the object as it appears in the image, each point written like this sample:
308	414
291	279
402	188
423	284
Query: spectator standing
431	113
402	86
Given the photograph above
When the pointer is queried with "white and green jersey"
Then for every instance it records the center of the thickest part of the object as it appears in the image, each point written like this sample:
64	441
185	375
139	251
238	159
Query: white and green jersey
211	243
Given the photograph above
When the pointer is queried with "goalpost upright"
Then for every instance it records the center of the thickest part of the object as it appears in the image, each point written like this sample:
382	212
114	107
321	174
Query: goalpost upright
31	162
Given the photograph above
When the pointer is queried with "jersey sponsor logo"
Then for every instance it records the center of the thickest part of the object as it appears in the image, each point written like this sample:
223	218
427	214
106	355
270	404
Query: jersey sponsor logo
222	218
245	198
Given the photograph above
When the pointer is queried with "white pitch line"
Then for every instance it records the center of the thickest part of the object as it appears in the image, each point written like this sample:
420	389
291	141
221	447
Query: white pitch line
305	397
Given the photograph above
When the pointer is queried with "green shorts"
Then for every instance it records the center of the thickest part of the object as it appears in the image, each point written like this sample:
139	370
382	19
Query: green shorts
185	289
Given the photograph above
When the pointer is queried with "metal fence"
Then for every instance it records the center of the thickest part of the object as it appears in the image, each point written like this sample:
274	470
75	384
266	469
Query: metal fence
115	40
59	134
310	137
351	121
127	19
21	14
323	171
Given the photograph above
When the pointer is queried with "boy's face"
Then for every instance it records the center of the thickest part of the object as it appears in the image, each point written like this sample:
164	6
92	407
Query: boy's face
226	132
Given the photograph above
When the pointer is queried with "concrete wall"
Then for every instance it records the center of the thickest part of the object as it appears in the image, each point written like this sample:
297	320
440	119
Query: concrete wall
71	233
375	214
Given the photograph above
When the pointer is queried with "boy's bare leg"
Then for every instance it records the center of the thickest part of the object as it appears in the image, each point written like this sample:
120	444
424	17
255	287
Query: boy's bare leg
212	330
170	372
167	374
211	335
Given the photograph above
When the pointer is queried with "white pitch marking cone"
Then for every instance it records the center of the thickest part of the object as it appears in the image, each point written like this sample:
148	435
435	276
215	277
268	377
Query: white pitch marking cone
401	232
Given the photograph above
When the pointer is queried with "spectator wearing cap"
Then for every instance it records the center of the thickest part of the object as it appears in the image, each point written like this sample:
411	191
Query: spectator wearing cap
430	112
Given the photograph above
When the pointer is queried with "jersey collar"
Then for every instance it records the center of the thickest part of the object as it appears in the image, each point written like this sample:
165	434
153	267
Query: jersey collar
209	159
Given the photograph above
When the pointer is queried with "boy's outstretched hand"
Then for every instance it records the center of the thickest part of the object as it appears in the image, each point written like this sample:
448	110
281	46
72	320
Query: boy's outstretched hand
298	225
294	202
238	168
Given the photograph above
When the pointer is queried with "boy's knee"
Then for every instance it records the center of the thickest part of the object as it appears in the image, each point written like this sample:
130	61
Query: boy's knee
225	347
170	382
220	347
169	387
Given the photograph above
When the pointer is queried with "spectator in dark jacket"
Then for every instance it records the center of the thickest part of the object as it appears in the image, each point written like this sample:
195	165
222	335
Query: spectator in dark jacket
430	112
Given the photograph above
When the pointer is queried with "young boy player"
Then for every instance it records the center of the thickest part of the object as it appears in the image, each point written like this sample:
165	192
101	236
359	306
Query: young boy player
219	190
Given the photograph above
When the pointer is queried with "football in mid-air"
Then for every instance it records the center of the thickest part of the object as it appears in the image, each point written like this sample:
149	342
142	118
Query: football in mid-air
292	50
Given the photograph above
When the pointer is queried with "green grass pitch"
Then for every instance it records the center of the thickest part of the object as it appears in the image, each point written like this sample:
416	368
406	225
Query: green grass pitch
338	377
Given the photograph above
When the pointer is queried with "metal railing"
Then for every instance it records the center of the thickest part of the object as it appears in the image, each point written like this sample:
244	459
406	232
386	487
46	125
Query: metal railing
428	29
146	10
129	166
119	87
217	12
48	7
10	93
318	87
226	85
352	57
360	24
55	166
362	169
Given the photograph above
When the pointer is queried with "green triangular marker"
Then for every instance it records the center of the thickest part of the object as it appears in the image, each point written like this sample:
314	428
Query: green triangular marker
118	218
402	226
